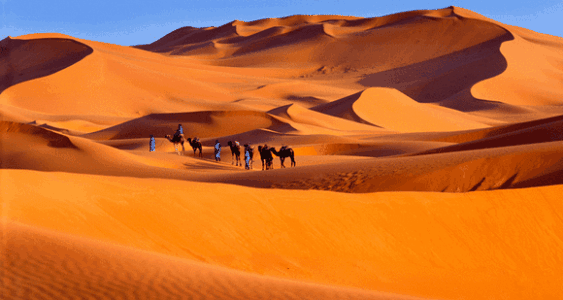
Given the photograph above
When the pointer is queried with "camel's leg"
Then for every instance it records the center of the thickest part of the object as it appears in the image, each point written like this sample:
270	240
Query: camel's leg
281	161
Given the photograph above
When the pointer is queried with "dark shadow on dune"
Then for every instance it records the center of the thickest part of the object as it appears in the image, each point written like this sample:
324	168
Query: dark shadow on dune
55	139
533	132
552	178
508	183
23	60
447	79
209	165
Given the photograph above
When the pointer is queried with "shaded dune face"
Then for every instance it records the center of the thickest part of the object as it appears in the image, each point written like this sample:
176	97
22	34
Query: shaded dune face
202	124
449	78
52	139
23	60
549	130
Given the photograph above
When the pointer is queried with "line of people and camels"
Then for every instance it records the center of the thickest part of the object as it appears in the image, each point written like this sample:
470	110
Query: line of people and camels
264	150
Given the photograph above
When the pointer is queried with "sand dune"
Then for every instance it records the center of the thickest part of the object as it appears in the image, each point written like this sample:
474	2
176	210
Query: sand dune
201	124
299	114
20	62
428	150
95	269
476	244
518	134
373	106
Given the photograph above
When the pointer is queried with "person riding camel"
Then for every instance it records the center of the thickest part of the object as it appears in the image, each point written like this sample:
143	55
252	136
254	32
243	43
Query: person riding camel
179	131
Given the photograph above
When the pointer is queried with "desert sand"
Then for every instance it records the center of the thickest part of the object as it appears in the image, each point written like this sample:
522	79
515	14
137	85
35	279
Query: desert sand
428	148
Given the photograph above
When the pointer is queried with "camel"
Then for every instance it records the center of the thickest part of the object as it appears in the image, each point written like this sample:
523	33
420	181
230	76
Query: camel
176	139
266	157
235	152
283	154
195	145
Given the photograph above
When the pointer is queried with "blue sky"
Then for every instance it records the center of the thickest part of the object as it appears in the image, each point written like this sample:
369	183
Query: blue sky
142	22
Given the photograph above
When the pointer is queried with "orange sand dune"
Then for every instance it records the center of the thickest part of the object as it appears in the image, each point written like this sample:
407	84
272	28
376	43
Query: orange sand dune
302	115
428	150
518	134
201	124
96	269
526	52
496	168
373	105
306	31
493	244
488	168
119	81
19	61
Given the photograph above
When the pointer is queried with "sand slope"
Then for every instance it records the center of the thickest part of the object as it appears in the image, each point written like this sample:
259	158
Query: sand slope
68	266
477	245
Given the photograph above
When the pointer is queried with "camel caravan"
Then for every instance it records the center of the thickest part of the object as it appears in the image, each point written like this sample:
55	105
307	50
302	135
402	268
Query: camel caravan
178	139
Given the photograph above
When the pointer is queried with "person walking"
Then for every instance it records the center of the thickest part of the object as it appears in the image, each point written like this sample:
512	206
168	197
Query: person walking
251	155
152	144
247	157
217	151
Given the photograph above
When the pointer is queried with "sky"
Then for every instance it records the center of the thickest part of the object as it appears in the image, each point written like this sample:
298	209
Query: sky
139	22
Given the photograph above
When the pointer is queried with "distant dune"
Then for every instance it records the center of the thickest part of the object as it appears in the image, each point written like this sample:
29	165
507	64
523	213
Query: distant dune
428	148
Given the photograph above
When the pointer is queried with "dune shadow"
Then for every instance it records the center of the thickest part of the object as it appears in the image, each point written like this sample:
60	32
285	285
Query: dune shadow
207	165
447	79
24	60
